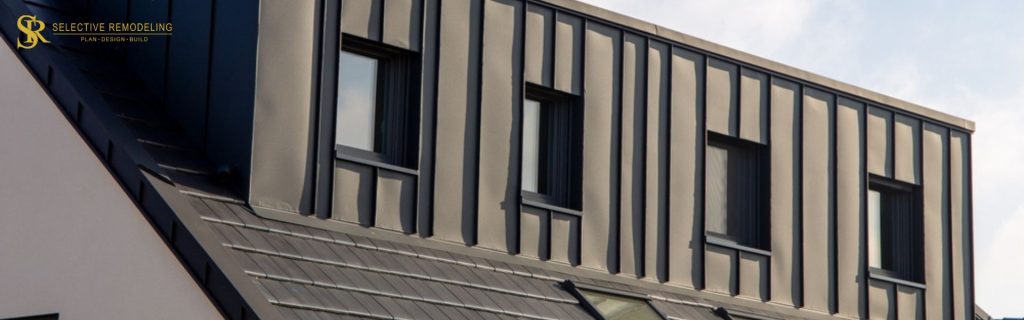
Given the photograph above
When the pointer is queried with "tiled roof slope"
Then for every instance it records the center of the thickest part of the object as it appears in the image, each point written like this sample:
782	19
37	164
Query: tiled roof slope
313	273
253	267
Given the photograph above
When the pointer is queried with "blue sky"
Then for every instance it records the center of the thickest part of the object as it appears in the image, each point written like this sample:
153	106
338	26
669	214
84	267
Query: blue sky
965	58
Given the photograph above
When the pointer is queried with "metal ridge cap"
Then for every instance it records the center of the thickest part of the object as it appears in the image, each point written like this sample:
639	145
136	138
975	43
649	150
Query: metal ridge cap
771	66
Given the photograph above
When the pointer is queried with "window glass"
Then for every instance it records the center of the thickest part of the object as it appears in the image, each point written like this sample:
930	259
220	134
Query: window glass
717	190
735	191
874	229
895	235
613	307
357	105
531	144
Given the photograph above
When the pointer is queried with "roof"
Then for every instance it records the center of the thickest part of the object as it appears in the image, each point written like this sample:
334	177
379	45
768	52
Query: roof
255	267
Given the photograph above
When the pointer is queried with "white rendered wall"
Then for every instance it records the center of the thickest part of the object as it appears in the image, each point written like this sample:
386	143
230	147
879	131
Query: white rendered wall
71	241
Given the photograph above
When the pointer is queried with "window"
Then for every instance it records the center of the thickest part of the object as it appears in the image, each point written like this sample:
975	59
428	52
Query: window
737	191
552	148
611	304
895	246
377	110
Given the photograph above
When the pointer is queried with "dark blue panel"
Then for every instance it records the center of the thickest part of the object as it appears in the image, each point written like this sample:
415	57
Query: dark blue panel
188	62
148	59
232	86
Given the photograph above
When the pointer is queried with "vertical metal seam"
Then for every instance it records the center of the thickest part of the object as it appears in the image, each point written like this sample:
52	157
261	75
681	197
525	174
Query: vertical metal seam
702	108
767	138
433	128
518	176
666	205
641	264
475	196
969	256
582	33
738	95
799	212
833	236
863	230
209	76
948	217
920	167
380	22
616	163
317	105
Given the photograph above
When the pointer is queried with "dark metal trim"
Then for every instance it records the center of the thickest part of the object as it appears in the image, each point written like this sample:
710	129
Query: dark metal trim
888	276
341	154
724	242
541	201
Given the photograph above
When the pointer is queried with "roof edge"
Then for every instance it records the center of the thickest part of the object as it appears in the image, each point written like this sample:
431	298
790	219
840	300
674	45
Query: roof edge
772	67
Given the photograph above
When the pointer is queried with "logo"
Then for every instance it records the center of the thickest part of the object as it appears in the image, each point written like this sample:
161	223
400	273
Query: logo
31	27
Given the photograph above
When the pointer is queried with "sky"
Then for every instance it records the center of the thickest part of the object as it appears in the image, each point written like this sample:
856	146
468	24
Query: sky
965	58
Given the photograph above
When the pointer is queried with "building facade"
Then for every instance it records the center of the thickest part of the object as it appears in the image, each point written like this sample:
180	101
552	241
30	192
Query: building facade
626	158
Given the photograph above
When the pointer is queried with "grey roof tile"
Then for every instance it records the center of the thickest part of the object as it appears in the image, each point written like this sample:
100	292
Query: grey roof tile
366	301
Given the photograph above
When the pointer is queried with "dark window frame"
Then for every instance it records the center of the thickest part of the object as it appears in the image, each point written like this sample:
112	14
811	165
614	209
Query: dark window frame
561	124
396	123
911	268
759	212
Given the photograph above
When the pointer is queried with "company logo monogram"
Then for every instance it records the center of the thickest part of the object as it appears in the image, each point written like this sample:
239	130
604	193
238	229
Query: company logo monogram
31	27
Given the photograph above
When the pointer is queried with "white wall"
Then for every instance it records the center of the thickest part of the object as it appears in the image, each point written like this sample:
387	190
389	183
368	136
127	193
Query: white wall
71	241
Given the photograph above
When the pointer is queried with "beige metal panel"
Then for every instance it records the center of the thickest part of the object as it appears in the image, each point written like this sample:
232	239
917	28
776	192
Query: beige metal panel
880	146
906	149
753	275
631	200
910	302
599	120
282	174
353	193
723	105
534	225
568	53
396	201
753	106
565	235
540	45
960	211
785	192
686	261
850	186
361	18
498	197
402	23
882	300
818	197
454	173
939	296
656	198
720	264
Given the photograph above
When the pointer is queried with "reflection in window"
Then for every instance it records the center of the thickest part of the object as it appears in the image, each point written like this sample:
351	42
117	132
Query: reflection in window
357	101
531	144
612	307
874	229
